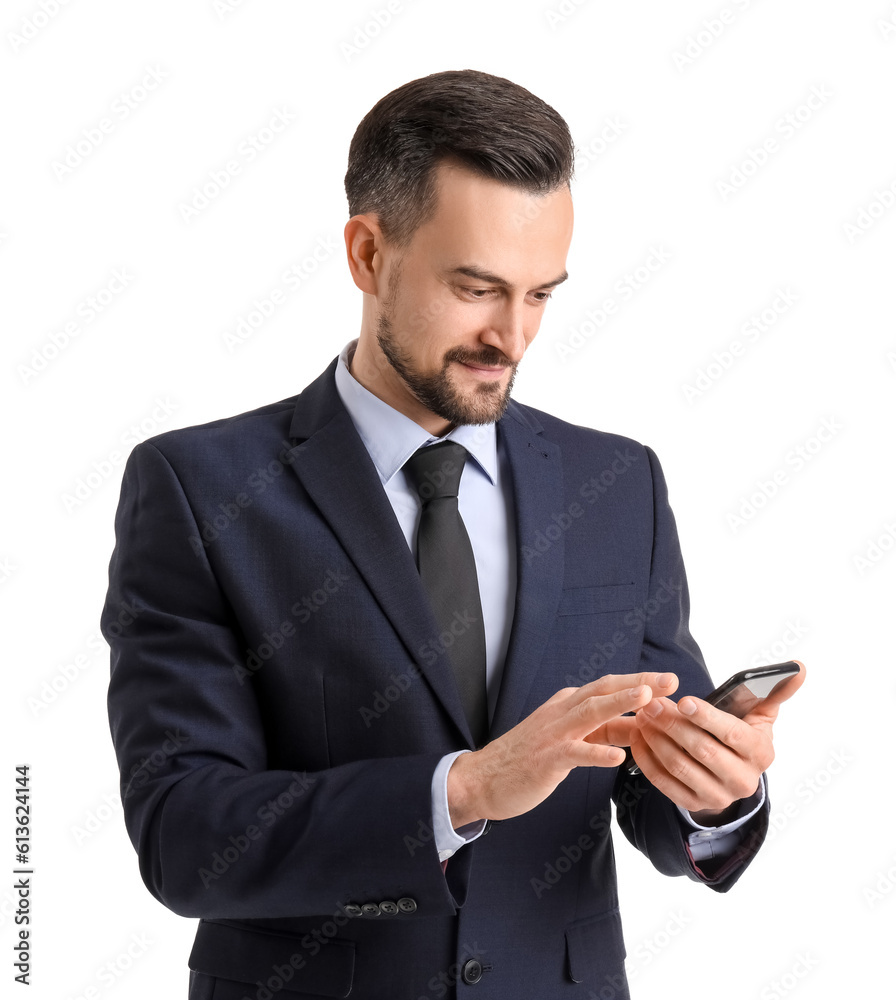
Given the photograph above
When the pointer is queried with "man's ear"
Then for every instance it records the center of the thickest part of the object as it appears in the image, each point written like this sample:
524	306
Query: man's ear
363	248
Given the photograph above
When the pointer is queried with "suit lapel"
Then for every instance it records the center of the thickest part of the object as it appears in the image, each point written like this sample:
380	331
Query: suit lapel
340	477
537	483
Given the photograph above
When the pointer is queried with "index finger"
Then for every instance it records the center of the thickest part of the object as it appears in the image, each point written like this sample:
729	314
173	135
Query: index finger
661	684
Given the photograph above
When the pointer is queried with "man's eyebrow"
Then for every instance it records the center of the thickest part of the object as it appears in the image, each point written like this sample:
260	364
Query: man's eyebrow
481	274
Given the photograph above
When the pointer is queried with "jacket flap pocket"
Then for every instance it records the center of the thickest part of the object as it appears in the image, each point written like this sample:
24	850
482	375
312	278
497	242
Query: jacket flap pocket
247	955
595	950
593	600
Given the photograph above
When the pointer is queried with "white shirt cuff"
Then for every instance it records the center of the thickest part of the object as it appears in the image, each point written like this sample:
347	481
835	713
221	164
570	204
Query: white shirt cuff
719	841
448	840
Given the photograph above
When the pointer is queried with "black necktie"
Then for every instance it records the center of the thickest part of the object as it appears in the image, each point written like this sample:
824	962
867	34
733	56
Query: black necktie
448	571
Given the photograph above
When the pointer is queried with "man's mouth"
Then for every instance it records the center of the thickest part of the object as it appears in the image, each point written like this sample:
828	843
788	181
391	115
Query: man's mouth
489	372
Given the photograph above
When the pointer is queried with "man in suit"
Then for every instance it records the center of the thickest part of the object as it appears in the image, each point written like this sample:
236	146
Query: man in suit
364	777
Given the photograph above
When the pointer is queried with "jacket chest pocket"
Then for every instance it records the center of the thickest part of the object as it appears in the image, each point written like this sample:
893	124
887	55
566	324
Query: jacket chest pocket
596	600
595	633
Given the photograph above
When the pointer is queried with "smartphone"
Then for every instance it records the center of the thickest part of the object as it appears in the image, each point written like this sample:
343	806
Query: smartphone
740	694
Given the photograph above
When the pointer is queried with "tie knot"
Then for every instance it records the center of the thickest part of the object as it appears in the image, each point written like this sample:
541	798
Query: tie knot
435	471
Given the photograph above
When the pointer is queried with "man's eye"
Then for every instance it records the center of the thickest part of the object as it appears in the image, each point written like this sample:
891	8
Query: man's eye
478	293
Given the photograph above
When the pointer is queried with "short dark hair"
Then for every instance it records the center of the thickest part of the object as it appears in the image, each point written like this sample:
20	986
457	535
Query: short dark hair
485	123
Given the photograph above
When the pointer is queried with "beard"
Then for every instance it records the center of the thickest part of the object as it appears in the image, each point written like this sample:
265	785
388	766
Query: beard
485	404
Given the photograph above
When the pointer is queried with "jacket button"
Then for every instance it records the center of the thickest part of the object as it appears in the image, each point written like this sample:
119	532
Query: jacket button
370	910
388	907
352	910
407	905
471	972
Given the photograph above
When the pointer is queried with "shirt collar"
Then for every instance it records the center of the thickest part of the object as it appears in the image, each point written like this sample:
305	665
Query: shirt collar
391	438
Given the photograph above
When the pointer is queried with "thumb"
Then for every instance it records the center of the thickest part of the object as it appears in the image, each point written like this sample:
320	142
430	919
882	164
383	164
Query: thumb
768	707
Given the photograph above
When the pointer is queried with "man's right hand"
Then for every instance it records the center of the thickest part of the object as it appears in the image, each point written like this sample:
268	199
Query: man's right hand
576	727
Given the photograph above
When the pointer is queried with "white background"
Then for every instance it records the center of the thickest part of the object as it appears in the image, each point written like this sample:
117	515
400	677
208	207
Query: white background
682	123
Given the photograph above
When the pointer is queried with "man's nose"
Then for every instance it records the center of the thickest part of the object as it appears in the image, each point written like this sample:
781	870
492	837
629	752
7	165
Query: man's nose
509	330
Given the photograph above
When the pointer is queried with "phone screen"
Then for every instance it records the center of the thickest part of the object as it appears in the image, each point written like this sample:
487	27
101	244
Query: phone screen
740	694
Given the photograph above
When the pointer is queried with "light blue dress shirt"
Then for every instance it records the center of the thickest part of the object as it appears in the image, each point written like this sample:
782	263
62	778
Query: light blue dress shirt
485	504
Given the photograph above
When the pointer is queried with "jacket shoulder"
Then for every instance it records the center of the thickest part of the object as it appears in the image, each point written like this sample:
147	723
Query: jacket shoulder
227	437
275	423
568	435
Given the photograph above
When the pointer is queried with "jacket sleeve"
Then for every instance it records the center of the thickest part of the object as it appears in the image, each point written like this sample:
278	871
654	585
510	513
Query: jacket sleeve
218	833
648	818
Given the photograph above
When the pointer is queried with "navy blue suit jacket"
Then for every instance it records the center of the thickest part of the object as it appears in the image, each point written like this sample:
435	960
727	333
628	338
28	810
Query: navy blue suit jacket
278	705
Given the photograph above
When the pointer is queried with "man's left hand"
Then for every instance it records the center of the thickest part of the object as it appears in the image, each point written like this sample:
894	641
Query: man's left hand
702	758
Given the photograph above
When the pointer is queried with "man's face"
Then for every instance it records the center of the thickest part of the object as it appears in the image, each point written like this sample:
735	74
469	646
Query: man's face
465	299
